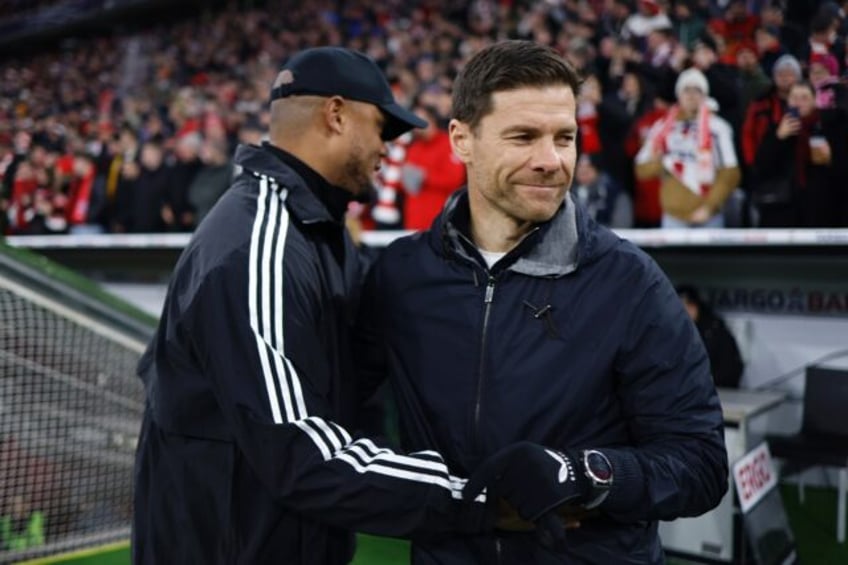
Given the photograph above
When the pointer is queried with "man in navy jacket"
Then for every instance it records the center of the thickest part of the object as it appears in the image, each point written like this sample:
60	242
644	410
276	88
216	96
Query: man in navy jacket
246	454
543	356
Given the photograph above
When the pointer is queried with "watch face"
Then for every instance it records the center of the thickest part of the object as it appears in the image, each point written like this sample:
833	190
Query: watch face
599	466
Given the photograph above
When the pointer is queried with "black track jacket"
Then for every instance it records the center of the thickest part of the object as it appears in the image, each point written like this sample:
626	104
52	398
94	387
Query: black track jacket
245	455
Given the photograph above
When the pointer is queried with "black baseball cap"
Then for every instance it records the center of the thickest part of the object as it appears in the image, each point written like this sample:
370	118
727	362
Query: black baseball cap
335	71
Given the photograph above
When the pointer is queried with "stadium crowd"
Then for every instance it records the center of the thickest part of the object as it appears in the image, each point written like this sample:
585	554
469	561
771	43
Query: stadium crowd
134	132
19	8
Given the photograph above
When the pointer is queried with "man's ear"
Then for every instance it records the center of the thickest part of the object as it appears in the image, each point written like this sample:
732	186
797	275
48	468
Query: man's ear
460	137
335	114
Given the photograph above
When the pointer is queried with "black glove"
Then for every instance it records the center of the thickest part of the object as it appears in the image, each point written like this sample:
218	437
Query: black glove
535	481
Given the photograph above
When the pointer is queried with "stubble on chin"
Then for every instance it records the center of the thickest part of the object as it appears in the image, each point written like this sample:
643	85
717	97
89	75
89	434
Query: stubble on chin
358	183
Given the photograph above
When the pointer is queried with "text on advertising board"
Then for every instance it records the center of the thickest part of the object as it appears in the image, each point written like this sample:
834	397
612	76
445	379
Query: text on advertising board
754	476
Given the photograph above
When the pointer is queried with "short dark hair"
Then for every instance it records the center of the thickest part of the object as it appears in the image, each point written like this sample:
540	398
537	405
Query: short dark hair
821	21
507	65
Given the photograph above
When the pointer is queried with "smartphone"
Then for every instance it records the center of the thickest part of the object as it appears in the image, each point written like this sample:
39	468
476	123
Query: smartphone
793	112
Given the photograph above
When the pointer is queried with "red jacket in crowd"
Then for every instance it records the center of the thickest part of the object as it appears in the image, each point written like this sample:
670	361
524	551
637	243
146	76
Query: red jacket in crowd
443	173
761	114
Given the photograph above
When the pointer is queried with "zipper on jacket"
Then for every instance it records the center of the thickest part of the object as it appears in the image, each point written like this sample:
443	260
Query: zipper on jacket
498	550
487	301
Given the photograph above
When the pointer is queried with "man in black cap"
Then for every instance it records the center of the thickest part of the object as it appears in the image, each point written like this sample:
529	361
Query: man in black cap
246	454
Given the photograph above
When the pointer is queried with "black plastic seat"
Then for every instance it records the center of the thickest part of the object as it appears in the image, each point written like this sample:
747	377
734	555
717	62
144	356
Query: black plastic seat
823	438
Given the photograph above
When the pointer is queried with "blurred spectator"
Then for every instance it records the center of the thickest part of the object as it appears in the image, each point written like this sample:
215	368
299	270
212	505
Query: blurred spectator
613	17
614	55
618	111
182	168
430	173
789	34
688	24
769	47
691	150
7	157
143	192
824	39
722	78
80	191
121	151
763	114
12	158
753	82
204	78
36	204
588	100
767	110
603	198
647	212
735	25
650	16
839	10
804	160
725	361
438	98
103	157
799	11
212	179
661	47
824	76
11	9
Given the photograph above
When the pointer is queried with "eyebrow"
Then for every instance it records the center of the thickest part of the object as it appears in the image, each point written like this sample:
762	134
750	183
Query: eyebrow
535	130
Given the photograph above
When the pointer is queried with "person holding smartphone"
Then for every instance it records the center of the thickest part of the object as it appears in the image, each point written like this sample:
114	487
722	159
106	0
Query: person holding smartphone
805	155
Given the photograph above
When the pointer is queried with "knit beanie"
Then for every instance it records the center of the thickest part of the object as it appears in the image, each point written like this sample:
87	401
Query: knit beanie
789	62
691	77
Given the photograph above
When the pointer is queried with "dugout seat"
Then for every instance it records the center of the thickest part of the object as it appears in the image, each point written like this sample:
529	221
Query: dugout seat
823	438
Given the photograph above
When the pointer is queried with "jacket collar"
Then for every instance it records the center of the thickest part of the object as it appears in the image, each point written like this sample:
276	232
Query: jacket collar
302	201
556	252
552	250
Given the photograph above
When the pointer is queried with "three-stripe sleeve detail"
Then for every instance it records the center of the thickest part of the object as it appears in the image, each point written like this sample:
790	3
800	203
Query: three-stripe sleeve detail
281	380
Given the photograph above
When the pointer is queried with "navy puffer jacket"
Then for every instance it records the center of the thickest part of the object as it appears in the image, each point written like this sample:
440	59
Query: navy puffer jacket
575	339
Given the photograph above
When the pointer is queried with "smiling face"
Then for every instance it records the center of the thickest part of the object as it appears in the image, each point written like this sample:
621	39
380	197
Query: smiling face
520	158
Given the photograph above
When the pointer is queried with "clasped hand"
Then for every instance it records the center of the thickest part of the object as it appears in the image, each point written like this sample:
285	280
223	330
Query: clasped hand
536	481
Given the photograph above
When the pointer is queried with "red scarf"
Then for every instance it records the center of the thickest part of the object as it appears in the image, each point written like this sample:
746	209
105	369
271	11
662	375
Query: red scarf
80	198
705	143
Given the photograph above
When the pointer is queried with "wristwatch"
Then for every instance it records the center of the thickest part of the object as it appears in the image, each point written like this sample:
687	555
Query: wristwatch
598	470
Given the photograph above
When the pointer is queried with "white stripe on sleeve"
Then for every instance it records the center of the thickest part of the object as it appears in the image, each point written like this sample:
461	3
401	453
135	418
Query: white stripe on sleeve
253	296
267	320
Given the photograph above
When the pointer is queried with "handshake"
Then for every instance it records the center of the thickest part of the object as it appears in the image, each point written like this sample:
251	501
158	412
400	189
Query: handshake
551	489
